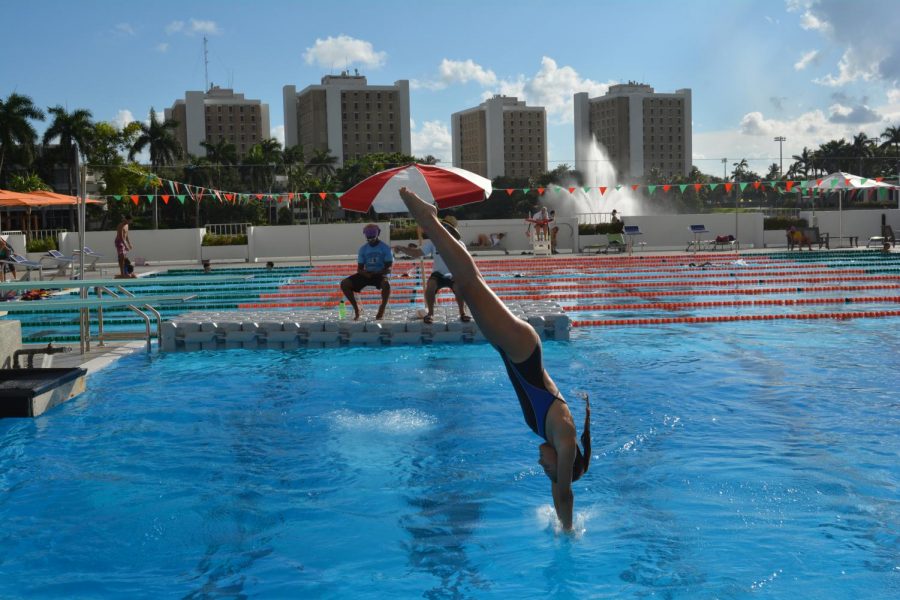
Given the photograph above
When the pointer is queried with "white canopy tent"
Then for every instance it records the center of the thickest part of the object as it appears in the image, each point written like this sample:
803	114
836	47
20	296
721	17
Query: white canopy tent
841	182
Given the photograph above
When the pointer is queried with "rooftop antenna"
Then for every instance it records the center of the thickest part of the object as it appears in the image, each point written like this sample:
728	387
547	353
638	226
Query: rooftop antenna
205	65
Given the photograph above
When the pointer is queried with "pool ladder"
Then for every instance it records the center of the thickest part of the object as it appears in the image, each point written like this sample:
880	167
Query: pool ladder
104	336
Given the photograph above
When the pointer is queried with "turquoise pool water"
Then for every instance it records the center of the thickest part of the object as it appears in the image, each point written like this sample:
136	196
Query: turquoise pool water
731	460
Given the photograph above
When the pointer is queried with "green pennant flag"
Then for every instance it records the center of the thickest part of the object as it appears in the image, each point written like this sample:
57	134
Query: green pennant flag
743	186
180	198
713	186
833	182
651	188
339	194
587	189
150	198
526	190
682	187
307	195
882	193
118	198
774	185
557	189
618	186
863	181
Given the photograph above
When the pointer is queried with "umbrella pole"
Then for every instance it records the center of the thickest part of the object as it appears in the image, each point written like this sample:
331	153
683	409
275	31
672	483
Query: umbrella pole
841	217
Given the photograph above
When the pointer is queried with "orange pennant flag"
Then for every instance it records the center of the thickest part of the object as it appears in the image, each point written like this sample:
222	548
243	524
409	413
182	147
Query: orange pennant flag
755	185
229	197
728	187
602	190
291	196
667	187
571	190
788	185
635	187
165	198
697	187
541	191
135	199
509	191
323	195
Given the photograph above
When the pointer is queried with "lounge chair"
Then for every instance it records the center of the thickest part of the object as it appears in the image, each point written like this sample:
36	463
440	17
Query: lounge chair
93	256
808	237
614	242
20	262
887	235
725	242
60	261
630	231
696	243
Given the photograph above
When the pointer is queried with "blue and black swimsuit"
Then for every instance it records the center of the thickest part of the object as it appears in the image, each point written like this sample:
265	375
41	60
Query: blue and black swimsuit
528	380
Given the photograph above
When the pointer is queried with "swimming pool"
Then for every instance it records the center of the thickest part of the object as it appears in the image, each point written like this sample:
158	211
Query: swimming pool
730	460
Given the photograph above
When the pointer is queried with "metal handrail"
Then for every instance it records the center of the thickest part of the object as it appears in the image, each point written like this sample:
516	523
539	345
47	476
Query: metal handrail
100	336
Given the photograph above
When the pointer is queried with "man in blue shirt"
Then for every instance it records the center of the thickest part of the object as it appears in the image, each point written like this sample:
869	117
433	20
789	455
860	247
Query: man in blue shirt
374	262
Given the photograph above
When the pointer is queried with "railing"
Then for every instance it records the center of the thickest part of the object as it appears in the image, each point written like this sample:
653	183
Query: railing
35	234
228	228
593	218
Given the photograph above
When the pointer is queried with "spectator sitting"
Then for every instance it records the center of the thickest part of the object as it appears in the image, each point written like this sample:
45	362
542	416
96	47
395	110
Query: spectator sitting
488	241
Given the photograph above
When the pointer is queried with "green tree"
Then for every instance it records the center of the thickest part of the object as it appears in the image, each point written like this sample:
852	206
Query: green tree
157	137
74	132
891	137
321	163
16	130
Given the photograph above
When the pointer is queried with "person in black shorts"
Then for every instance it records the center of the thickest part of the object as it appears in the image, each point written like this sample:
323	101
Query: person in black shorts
440	278
374	262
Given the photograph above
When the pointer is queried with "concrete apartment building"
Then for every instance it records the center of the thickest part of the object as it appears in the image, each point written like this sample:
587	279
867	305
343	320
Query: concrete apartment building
501	137
219	114
639	128
348	117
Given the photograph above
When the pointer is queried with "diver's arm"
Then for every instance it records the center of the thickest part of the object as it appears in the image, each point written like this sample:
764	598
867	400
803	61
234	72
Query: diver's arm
563	498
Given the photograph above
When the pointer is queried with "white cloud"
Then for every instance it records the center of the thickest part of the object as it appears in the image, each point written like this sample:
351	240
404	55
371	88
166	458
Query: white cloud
454	71
858	31
342	51
122	118
433	138
850	69
278	134
553	87
195	26
807	59
175	27
208	27
124	29
162	47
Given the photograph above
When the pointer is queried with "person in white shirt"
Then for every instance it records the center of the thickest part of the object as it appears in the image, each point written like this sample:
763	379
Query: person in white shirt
440	278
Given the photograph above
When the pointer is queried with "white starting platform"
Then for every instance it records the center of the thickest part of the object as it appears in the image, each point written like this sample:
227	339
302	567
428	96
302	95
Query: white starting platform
541	246
289	329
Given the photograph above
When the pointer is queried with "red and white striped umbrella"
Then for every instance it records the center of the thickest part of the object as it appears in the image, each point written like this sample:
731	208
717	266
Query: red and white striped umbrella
444	187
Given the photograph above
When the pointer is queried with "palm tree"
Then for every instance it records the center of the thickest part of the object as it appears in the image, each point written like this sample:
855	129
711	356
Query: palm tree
15	128
74	130
803	163
891	136
862	149
322	163
157	137
220	153
740	170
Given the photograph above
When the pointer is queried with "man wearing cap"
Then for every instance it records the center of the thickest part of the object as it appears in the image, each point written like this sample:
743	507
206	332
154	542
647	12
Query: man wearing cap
374	262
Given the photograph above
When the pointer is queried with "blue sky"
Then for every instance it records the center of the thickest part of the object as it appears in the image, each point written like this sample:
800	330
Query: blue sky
810	70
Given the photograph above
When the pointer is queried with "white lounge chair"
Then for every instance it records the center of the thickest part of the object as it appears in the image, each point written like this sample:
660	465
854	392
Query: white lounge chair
92	256
60	261
19	261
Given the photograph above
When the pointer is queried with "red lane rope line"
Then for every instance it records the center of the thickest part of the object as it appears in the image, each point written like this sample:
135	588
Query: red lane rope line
722	303
729	318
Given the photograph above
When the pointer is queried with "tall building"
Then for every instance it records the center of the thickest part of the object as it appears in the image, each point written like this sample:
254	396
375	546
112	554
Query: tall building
501	136
216	115
639	128
348	117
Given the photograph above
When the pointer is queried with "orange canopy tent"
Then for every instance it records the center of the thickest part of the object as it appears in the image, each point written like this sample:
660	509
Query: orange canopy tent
38	199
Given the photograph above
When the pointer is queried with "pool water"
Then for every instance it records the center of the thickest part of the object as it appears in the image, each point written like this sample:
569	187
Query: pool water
730	460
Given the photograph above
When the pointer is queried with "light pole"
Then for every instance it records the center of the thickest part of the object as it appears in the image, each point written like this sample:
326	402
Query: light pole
780	139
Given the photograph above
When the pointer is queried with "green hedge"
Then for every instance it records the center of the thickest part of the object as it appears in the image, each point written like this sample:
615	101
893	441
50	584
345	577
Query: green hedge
601	228
211	239
782	223
404	233
41	245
